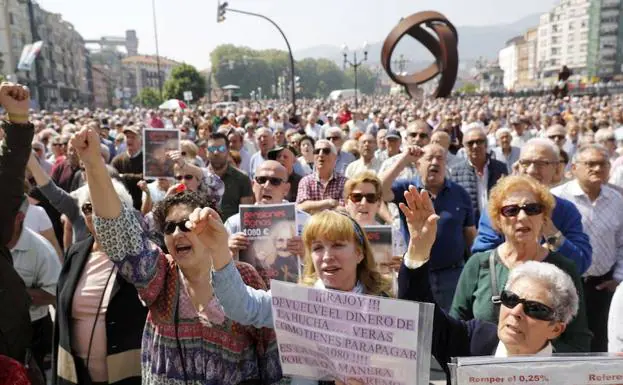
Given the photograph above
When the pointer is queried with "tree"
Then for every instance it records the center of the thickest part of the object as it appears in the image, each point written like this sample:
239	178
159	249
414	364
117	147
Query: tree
149	97
184	78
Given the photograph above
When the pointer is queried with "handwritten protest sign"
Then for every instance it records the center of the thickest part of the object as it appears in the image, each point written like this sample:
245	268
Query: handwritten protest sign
268	229
156	143
556	370
331	335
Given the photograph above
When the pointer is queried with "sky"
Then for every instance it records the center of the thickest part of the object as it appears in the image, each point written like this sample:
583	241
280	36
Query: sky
188	31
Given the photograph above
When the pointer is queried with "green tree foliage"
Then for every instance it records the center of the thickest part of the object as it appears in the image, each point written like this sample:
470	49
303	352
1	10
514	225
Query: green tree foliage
184	78
149	97
250	69
467	88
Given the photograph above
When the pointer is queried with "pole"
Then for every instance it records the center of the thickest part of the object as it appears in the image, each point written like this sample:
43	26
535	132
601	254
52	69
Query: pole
293	90
153	6
355	67
35	37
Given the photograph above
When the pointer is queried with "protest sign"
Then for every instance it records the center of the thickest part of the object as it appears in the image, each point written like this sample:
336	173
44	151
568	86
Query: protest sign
268	229
156	143
382	244
331	335
554	370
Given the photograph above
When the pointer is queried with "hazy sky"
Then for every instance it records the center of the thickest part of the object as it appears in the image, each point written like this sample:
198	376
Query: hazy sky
188	31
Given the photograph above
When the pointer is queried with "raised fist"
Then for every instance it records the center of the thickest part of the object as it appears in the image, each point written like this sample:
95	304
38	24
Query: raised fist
15	98
87	144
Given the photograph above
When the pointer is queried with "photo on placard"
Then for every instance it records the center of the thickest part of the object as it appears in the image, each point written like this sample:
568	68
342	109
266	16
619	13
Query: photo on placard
156	144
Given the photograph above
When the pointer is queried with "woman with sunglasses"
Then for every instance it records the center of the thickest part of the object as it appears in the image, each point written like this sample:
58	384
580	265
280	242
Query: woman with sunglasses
194	178
518	206
536	303
187	338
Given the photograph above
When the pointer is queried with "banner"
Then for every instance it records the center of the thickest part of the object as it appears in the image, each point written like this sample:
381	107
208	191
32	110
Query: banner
268	229
555	370
330	335
29	54
156	143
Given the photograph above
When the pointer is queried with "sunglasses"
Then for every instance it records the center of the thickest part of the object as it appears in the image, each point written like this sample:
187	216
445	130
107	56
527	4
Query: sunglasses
274	181
421	135
556	137
185	177
358	197
169	227
532	309
333	138
324	151
478	142
530	209
214	149
525	163
87	209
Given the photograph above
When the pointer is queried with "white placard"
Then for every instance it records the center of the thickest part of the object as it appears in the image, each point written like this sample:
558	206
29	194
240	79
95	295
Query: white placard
188	96
332	335
557	370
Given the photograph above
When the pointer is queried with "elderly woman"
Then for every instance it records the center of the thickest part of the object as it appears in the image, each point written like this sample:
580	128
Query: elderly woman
537	302
518	206
187	338
99	317
307	154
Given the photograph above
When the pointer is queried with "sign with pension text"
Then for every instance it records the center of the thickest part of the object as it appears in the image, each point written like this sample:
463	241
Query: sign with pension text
269	229
554	370
329	335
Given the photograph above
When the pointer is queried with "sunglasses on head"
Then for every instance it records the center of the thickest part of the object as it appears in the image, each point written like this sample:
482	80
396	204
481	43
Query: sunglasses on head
532	309
358	197
274	181
215	149
324	151
170	226
530	209
185	177
87	208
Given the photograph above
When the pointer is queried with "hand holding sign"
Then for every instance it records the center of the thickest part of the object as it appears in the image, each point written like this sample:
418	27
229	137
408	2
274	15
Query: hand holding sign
422	222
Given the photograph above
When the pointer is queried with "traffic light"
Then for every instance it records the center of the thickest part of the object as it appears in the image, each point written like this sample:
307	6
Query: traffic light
220	14
297	84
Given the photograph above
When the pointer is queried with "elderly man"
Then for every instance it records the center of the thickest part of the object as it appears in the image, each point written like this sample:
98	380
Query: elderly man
417	134
367	161
265	142
504	152
606	138
381	144
478	173
324	188
129	164
539	159
601	207
456	229
557	133
286	156
520	133
235	138
39	150
336	136
443	139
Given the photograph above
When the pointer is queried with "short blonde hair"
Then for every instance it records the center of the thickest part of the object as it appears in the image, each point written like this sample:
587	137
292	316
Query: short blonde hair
189	148
513	183
362	177
336	226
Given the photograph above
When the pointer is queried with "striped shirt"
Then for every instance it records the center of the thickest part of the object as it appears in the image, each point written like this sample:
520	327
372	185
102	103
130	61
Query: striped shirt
603	222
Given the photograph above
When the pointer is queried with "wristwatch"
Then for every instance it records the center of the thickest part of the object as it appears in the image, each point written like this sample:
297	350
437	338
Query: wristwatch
554	241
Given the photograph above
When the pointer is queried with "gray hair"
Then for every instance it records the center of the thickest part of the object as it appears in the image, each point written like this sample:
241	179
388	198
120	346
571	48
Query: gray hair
503	130
543	142
474	127
561	290
261	130
82	195
604	134
334	130
331	145
590	147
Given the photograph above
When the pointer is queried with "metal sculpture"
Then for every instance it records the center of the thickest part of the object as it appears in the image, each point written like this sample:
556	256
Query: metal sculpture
443	46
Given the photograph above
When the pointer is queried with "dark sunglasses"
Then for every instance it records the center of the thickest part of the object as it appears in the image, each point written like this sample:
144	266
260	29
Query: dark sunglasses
185	177
87	209
324	151
169	227
214	149
478	142
274	181
421	135
332	138
358	197
530	209
556	137
532	309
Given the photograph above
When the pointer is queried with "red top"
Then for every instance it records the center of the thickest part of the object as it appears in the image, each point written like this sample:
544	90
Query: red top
12	372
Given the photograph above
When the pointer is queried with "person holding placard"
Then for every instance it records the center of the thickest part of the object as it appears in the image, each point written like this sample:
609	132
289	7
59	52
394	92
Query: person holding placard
615	322
538	300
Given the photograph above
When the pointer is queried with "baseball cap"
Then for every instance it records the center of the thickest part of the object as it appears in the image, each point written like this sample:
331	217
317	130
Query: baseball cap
133	129
274	153
393	134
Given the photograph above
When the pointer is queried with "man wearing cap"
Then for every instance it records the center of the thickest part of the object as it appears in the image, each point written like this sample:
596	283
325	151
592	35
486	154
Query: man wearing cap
520	131
286	155
129	164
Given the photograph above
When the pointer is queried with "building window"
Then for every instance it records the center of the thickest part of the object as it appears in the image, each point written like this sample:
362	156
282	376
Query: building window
11	18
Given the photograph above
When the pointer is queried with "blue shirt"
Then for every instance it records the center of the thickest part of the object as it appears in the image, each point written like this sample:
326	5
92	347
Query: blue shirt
454	207
566	218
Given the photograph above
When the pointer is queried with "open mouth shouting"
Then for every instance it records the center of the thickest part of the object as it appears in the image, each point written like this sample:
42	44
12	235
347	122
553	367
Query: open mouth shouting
183	249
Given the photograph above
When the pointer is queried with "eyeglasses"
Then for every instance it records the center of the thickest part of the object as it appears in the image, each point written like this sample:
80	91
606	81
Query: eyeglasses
87	209
556	137
478	142
532	309
324	151
57	144
169	227
185	177
214	149
591	164
274	181
358	197
525	163
421	135
333	138
530	209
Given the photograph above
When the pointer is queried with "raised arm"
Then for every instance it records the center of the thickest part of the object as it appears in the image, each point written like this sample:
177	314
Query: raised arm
388	177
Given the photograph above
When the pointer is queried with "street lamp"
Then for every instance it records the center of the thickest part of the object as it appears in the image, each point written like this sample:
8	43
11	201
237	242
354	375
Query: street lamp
222	8
355	64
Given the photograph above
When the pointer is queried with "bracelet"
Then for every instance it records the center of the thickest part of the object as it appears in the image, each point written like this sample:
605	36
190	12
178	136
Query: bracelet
16	118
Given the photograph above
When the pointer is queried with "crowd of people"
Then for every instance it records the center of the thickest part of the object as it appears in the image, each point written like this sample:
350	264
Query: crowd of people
506	213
